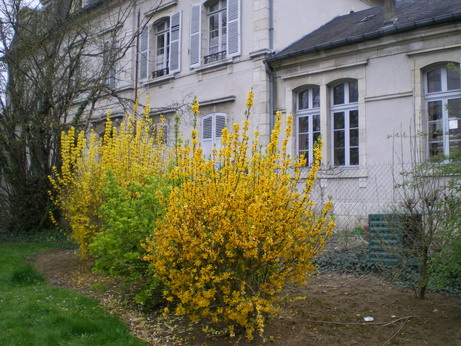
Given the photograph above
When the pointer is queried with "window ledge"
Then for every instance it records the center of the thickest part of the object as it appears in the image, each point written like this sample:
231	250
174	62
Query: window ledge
262	53
352	172
214	65
160	80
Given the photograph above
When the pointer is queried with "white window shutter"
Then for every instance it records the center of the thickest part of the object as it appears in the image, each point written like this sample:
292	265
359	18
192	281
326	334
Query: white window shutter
195	35
175	42
207	135
220	124
233	27
144	53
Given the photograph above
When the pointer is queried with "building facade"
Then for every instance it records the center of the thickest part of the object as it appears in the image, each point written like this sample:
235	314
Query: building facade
382	87
213	50
370	77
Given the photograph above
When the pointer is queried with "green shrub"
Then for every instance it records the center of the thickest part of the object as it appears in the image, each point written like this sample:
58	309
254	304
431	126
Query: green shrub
129	215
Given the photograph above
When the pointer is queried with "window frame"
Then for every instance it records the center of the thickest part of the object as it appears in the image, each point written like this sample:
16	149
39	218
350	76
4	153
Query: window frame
231	41
165	33
310	112
220	13
444	96
347	108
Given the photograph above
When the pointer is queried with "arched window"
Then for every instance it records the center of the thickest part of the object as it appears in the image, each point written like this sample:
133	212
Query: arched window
443	104
162	47
345	120
307	121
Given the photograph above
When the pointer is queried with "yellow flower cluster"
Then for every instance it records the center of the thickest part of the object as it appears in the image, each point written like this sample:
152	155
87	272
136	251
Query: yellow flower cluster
131	152
237	229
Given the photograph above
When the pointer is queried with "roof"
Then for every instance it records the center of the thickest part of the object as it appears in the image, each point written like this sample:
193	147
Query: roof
369	24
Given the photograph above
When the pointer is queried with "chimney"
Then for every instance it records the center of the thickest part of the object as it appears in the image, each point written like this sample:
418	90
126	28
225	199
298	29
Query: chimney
389	12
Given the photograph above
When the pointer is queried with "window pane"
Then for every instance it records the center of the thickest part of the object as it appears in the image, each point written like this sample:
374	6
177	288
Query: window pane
303	142
435	110
354	156
454	108
435	149
353	119
435	130
303	100
434	81
454	131
316	123
338	94
338	120
454	120
224	22
338	139
339	157
316	97
303	124
316	137
353	92
453	79
354	138
214	23
160	27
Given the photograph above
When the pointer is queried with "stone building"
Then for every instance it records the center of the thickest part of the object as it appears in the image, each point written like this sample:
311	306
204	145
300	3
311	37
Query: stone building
382	88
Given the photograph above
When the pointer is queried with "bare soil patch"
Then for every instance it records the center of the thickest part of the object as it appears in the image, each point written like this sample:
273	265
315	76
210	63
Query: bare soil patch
329	310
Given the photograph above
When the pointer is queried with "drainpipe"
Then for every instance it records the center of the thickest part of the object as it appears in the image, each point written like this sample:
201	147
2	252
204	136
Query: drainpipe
271	74
269	70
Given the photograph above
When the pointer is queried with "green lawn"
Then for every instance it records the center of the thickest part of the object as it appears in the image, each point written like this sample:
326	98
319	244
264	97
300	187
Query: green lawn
34	313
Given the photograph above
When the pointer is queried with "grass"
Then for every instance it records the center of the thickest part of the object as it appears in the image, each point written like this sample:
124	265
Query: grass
34	313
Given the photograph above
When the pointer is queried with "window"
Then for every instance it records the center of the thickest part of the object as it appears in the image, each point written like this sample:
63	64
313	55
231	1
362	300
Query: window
217	31
345	121
443	102
222	30
162	48
212	126
164	58
307	122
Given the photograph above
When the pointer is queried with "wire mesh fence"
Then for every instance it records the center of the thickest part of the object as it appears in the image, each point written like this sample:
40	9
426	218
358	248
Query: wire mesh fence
359	192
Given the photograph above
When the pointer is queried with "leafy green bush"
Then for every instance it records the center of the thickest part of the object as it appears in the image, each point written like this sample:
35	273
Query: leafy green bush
130	214
445	265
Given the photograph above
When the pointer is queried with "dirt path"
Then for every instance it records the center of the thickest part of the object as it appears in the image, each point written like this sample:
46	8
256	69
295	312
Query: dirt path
330	310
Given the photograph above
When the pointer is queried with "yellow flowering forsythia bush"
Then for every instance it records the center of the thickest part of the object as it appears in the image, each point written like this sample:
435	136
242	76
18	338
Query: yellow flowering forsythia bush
131	153
237	229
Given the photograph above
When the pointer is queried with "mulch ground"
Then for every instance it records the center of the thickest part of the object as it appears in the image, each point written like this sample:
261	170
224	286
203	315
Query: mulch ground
330	310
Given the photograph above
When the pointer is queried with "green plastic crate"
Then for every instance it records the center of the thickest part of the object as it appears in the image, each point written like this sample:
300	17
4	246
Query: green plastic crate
393	238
